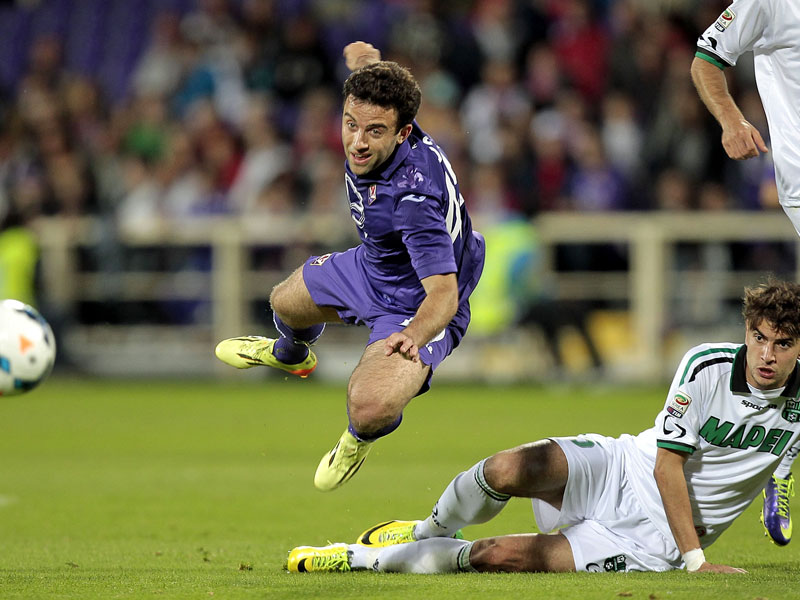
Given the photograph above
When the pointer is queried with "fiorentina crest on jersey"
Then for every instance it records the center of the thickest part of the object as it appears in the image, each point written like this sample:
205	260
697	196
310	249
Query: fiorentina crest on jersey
725	19
373	193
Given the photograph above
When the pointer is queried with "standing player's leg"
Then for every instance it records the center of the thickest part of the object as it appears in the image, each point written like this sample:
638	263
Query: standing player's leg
379	389
775	514
299	321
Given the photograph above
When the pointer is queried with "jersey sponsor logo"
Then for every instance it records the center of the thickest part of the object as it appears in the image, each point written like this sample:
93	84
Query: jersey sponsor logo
725	20
320	260
413	198
678	405
754	406
723	435
791	412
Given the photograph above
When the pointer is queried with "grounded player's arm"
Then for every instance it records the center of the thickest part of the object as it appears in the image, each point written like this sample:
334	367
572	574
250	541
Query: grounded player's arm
739	138
436	311
360	54
674	492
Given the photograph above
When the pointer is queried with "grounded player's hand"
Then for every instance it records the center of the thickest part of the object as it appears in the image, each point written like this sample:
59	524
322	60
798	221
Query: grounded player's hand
707	567
402	344
360	54
743	141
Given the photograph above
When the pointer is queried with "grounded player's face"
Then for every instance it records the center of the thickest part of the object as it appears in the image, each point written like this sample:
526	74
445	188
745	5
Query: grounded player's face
369	134
771	356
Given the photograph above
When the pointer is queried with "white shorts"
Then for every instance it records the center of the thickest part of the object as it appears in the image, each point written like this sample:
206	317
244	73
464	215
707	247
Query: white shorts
600	516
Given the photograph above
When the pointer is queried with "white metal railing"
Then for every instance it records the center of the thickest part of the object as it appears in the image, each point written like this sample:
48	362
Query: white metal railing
651	239
231	283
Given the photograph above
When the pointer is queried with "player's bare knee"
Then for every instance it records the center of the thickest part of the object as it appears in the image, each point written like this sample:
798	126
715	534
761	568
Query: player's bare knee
500	472
522	471
368	410
278	300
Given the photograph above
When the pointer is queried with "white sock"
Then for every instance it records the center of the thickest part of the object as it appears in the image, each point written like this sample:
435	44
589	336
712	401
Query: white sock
785	467
362	557
437	555
467	500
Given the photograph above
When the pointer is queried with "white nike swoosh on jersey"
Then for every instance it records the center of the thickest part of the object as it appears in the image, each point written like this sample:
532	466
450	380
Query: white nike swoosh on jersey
413	198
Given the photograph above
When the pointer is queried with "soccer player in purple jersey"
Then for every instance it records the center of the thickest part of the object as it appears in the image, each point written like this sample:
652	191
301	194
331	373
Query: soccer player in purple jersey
409	280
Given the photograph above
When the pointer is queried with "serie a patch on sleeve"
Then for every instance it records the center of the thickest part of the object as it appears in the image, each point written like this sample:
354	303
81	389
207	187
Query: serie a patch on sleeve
725	20
678	405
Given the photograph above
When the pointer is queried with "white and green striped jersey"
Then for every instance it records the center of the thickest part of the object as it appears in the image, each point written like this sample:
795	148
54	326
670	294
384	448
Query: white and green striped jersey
734	434
771	29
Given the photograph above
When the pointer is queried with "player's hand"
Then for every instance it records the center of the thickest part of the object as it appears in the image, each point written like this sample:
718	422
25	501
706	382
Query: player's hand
707	567
742	141
400	343
360	54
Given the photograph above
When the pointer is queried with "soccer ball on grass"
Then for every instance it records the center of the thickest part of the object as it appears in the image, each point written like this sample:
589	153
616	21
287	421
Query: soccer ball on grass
27	348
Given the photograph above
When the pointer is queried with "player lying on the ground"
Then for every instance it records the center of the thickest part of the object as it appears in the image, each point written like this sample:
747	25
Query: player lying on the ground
650	502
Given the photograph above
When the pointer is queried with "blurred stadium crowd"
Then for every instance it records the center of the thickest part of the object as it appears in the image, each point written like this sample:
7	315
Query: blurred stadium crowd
134	110
137	111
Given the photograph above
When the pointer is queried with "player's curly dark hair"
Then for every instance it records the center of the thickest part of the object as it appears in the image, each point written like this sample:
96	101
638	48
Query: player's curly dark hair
388	85
777	302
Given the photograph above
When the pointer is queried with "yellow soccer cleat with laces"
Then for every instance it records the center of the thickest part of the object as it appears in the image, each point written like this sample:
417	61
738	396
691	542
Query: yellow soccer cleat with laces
341	463
305	559
256	351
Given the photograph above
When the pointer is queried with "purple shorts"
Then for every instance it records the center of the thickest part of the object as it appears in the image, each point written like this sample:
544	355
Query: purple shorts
338	280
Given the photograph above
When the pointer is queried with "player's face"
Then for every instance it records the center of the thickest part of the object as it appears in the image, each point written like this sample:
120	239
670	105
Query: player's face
369	134
771	356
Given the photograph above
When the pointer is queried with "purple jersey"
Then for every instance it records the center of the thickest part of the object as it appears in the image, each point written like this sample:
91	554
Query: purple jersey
413	223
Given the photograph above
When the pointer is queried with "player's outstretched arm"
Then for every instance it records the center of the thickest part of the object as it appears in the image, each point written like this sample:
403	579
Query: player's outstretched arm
671	483
739	138
360	54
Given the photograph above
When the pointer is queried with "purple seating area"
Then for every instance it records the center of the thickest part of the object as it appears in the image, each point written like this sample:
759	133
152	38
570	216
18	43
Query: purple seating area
101	38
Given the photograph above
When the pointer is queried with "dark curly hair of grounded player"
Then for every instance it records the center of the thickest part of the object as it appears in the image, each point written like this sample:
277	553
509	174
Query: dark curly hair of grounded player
388	85
777	302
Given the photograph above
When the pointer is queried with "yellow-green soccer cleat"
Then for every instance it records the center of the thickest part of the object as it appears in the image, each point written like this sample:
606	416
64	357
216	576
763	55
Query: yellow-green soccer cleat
341	463
305	559
256	351
390	533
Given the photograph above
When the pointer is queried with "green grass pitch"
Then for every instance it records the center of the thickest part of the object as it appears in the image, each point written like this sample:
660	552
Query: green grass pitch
155	489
